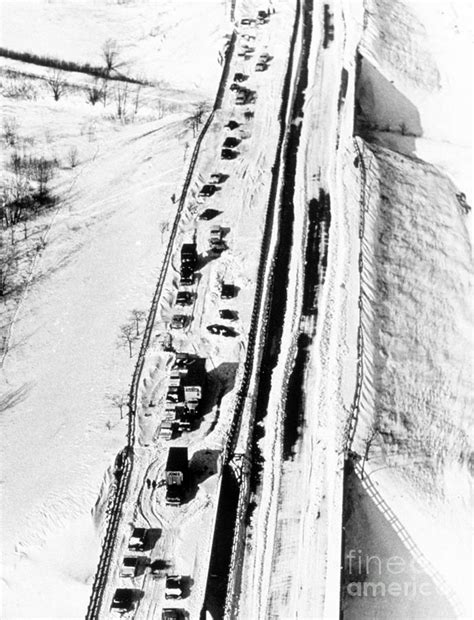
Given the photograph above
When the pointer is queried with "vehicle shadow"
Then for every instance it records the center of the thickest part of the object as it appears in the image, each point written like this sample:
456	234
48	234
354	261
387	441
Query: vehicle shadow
205	259
151	539
220	381
203	465
159	567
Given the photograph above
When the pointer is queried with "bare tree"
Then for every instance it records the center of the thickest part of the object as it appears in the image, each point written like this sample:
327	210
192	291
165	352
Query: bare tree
163	228
121	95
8	261
57	83
196	118
73	156
137	100
95	92
10	131
111	55
44	174
119	400
127	336
371	435
138	316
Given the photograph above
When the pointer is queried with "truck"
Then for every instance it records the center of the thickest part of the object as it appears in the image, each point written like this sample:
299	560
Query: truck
176	475
216	242
215	235
188	255
193	382
137	540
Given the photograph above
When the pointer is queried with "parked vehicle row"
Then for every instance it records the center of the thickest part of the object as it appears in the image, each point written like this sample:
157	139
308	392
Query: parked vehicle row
187	376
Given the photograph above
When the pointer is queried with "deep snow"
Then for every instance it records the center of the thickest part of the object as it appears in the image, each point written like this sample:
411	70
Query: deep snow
60	431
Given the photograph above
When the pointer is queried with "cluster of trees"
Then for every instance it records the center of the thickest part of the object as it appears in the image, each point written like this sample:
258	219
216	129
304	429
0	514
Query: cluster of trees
130	332
110	56
27	191
24	194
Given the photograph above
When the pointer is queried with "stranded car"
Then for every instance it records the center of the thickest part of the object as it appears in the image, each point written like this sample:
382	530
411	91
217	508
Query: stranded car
229	315
231	142
137	540
217	177
207	190
209	214
228	154
129	566
173	614
123	600
222	330
227	291
184	298
179	321
173	589
232	124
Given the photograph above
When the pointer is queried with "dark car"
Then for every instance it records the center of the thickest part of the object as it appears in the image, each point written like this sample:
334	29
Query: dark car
227	291
231	142
217	177
232	124
222	330
123	600
207	190
228	154
187	276
179	321
235	86
240	77
228	315
184	298
209	214
173	614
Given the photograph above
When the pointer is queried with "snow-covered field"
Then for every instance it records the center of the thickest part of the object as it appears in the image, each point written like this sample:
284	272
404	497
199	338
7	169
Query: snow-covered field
104	244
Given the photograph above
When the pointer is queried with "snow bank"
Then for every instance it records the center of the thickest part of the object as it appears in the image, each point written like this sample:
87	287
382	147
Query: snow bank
417	393
414	89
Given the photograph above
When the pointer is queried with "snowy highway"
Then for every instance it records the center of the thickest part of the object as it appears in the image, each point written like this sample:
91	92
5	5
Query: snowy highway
184	534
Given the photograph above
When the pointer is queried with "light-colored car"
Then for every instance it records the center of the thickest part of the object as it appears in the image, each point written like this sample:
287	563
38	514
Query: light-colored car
174	587
129	566
179	321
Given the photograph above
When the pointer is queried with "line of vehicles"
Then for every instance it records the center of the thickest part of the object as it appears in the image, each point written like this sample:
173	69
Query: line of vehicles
187	377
